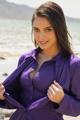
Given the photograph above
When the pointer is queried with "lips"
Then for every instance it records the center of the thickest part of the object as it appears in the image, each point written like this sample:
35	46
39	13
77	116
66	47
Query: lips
42	42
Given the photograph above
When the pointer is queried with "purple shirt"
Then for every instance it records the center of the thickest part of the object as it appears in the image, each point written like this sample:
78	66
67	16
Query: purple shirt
32	93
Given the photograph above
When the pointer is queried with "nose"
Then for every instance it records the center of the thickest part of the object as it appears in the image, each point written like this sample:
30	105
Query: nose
42	34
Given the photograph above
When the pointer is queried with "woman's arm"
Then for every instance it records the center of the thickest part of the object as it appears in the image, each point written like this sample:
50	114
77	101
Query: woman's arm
70	105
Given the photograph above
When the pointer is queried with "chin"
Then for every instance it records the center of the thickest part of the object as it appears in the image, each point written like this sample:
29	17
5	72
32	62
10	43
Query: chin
44	48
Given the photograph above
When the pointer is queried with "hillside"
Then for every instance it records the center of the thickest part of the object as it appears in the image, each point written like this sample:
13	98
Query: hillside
15	11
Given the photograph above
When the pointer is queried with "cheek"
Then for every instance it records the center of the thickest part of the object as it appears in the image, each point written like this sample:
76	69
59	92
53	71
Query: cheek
53	38
36	36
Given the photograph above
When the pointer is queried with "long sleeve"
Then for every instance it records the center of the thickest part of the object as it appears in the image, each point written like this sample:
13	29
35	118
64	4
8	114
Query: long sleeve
12	89
11	84
70	105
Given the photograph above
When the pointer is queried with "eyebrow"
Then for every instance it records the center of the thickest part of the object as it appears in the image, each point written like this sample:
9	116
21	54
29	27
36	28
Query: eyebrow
43	28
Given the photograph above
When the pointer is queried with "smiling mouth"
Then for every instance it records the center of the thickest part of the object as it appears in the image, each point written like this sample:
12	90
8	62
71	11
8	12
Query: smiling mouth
43	43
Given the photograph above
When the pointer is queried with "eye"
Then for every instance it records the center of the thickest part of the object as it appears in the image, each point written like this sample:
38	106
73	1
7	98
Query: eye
36	30
48	29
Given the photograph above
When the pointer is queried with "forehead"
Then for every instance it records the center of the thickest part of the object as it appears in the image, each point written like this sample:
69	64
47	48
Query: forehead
41	22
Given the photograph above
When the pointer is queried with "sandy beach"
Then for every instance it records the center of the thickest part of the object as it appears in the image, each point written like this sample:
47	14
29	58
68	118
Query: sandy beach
7	65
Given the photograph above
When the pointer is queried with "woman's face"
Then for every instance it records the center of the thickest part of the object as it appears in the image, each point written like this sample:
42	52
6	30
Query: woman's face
44	34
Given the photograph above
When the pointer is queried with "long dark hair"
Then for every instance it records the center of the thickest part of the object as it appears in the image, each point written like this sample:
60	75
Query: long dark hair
54	14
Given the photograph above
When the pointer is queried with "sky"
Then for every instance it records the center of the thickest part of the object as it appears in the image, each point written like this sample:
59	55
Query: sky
70	8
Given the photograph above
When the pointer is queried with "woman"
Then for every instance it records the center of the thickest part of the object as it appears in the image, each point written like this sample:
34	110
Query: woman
46	83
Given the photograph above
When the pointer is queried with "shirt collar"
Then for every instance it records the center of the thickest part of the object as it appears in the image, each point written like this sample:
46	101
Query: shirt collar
57	57
35	52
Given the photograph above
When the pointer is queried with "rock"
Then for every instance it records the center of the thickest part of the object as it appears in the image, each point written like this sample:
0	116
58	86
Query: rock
2	58
5	74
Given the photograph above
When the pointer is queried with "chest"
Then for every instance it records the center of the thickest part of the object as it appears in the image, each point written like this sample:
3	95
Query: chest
43	77
40	78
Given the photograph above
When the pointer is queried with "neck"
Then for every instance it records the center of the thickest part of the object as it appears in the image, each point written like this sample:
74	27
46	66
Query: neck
50	53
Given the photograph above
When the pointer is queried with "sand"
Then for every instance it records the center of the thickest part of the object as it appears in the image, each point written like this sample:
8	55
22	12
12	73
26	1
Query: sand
7	65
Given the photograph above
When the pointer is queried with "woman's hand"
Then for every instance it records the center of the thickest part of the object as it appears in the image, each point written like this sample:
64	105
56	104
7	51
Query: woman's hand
2	90
55	93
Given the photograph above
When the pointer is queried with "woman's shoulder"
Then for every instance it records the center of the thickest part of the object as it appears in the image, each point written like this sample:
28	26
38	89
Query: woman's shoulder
26	55
74	59
75	63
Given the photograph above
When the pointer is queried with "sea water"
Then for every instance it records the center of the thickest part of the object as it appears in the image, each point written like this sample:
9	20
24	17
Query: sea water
15	36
